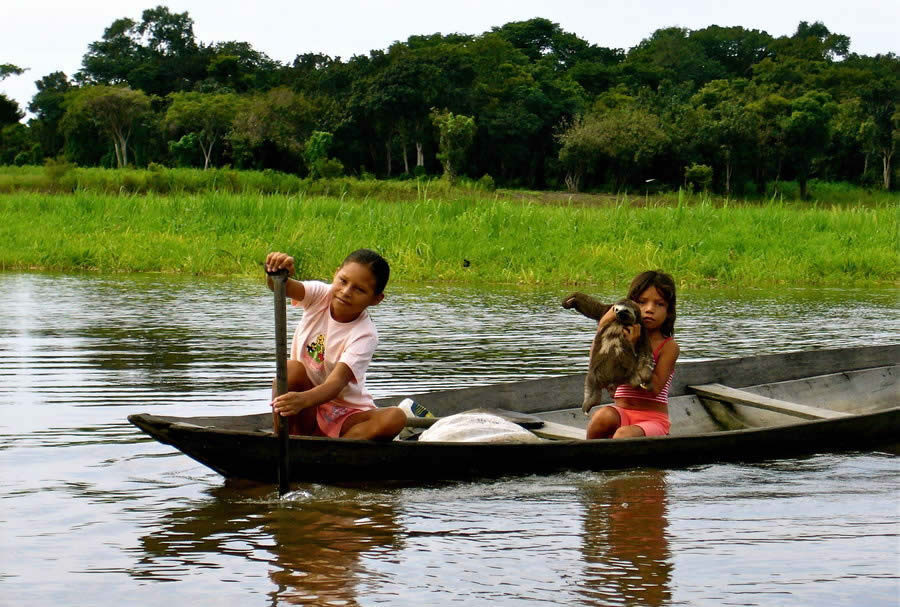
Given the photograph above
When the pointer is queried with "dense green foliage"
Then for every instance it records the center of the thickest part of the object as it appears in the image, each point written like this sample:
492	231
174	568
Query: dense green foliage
548	109
428	237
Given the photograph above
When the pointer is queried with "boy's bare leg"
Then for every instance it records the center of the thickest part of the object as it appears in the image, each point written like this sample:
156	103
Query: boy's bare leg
375	424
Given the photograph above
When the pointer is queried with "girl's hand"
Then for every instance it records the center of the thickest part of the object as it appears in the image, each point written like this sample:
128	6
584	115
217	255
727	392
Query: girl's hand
279	261
291	403
632	332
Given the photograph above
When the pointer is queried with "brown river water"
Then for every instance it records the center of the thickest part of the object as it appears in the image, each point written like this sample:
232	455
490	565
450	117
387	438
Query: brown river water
92	512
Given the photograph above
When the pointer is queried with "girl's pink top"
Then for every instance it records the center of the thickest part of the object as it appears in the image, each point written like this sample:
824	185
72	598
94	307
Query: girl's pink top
626	391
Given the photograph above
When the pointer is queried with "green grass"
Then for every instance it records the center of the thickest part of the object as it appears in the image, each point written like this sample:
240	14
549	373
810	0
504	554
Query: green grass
64	178
698	240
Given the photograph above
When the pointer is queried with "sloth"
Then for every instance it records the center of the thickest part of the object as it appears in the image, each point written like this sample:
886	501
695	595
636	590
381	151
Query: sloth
614	359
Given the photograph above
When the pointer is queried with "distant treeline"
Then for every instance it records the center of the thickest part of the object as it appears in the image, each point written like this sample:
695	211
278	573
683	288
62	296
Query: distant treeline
726	109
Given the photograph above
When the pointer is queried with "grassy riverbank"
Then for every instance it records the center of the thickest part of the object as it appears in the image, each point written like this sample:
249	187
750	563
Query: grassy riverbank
57	177
428	239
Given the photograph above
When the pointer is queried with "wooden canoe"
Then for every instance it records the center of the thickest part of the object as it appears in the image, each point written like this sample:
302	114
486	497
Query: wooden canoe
740	409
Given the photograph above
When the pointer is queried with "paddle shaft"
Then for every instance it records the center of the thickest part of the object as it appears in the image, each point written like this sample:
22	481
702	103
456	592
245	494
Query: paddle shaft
279	279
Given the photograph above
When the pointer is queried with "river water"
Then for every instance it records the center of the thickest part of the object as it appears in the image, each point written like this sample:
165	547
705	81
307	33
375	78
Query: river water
94	513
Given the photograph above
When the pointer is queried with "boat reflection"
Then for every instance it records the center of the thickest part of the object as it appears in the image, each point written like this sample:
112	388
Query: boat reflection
624	542
313	539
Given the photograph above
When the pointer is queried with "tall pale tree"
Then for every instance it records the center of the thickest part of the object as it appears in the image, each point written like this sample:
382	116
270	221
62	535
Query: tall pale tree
210	116
115	111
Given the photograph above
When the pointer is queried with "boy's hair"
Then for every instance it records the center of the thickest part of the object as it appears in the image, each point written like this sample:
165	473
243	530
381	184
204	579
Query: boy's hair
377	264
665	284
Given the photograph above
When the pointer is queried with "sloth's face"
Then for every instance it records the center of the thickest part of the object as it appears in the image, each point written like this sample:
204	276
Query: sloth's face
627	312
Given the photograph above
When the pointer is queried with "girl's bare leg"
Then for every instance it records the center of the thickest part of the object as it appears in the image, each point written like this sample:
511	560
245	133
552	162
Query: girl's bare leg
604	423
629	432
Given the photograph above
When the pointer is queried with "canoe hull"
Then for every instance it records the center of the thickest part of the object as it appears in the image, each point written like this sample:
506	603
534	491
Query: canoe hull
856	382
323	459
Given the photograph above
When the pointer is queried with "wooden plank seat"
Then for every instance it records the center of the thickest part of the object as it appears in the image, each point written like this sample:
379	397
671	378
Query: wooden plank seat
725	394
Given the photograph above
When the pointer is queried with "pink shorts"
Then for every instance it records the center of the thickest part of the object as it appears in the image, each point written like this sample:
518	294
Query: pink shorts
329	420
653	423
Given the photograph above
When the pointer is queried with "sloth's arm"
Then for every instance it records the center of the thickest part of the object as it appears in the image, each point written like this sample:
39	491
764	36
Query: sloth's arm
586	305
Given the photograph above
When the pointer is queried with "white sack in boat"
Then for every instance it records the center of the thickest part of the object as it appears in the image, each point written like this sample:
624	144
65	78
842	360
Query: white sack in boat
476	427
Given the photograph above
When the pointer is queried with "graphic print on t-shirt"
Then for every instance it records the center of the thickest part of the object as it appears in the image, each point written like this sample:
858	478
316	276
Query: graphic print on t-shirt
316	349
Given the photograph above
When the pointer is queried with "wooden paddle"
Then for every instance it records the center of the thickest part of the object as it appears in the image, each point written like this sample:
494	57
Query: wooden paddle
279	278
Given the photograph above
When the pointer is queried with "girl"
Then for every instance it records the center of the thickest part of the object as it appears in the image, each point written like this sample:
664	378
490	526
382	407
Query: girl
331	350
638	412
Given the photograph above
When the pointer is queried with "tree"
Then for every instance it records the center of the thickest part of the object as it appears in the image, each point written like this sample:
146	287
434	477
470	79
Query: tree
273	127
9	111
698	175
880	102
770	109
670	54
455	134
113	110
545	42
316	150
627	138
396	101
238	67
807	133
729	124
47	106
8	69
579	152
157	55
813	43
506	102
210	116
734	48
9	108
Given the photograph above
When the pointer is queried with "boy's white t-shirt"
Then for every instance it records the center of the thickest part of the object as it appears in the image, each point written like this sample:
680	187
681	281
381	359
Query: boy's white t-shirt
320	343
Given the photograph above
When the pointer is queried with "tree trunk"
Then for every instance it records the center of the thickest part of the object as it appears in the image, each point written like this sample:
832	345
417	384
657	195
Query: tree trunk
373	152
207	152
120	141
387	150
727	172
122	153
760	179
886	156
118	153
405	159
728	177
420	154
573	180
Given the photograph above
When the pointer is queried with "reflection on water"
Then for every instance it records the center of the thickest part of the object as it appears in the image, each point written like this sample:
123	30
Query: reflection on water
92	506
625	549
310	541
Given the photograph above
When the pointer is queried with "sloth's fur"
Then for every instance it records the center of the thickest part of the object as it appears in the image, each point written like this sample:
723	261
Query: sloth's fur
614	359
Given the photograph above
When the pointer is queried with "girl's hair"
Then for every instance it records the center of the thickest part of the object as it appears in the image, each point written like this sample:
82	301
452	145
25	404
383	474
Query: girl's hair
376	264
665	284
